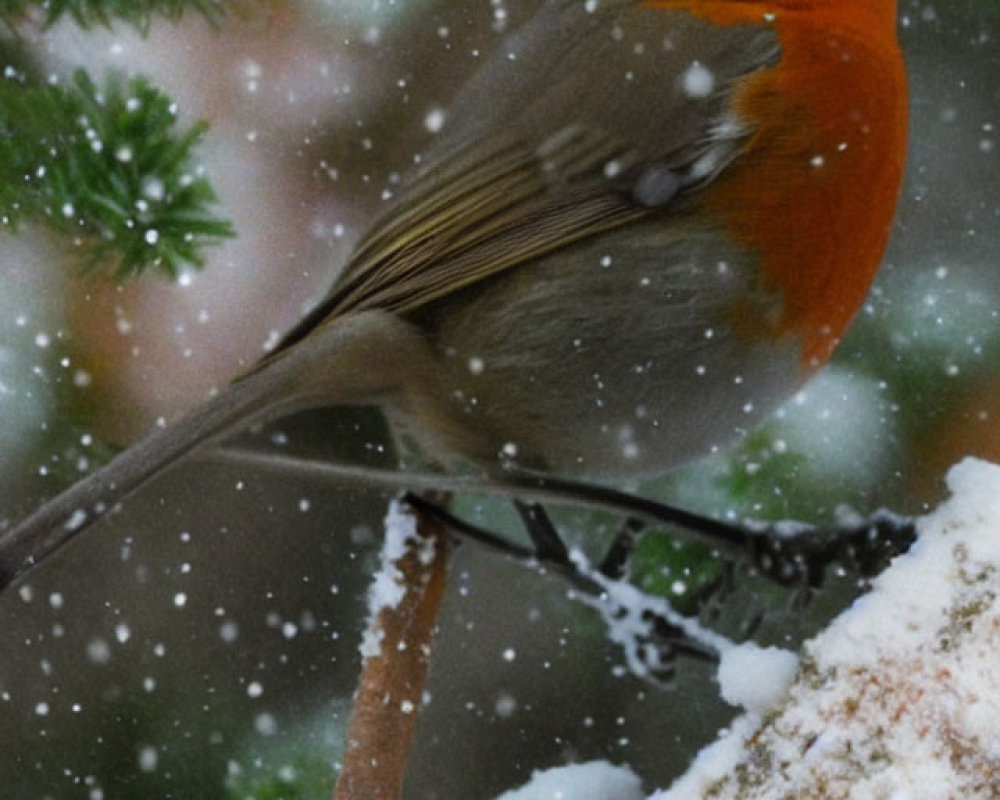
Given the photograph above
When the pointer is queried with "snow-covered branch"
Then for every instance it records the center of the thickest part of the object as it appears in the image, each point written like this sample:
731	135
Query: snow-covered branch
898	697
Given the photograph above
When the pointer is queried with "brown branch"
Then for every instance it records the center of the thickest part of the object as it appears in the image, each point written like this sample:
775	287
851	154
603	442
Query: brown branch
397	655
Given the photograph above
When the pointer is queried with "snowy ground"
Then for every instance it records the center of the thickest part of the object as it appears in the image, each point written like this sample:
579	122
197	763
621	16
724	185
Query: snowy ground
898	698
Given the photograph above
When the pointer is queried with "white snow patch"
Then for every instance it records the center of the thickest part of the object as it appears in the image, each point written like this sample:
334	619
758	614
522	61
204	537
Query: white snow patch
595	780
388	587
755	677
899	697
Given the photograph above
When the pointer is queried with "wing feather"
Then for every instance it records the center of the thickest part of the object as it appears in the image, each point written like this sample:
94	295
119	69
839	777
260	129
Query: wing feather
535	167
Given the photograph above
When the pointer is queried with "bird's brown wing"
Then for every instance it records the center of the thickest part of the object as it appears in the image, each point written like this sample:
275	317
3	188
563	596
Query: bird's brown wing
533	158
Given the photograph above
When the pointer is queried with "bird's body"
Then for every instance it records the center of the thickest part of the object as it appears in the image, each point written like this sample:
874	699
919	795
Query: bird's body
644	226
699	226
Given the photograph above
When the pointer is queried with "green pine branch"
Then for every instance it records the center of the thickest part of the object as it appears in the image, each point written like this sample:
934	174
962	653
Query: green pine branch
107	168
88	13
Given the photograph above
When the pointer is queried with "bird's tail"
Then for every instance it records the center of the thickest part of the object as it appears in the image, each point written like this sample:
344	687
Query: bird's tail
69	513
347	361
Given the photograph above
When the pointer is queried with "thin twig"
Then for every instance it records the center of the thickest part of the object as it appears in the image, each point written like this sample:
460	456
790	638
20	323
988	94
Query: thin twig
788	553
523	486
666	634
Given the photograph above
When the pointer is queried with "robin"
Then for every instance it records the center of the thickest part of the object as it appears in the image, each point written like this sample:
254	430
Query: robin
644	225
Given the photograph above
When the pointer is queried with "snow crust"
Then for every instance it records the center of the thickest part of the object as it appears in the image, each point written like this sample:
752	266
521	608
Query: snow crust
388	587
755	677
900	696
595	780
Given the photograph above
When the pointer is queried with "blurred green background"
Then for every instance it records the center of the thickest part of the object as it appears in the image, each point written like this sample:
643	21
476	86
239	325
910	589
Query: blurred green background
204	642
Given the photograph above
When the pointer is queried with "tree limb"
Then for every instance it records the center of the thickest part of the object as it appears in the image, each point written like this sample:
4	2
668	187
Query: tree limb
405	599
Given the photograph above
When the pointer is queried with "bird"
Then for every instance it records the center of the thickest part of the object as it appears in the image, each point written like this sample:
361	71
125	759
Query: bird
644	225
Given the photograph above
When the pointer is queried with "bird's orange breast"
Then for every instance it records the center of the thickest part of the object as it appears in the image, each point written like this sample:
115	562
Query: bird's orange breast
815	190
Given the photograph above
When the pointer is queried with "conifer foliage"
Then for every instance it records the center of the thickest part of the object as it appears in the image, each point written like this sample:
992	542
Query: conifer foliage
108	167
85	13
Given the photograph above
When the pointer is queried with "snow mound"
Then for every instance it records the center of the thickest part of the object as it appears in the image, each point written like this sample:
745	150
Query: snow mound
595	780
900	696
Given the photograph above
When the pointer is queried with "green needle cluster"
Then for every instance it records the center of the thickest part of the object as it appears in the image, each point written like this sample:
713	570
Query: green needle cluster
110	168
87	13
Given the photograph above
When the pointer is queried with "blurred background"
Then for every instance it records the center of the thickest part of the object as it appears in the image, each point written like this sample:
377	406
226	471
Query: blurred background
203	643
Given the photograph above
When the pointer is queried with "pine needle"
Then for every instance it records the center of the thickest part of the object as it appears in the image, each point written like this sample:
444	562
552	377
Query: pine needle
109	169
